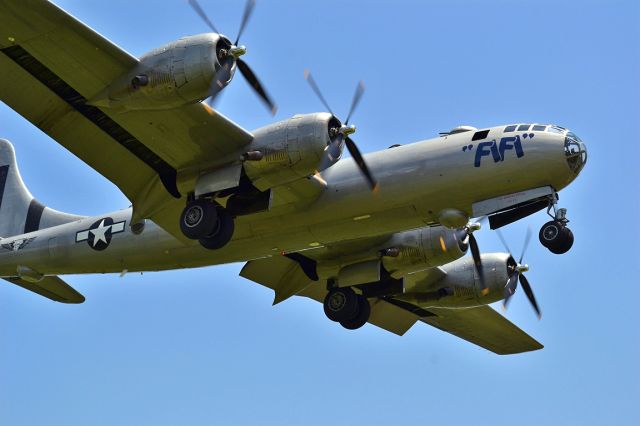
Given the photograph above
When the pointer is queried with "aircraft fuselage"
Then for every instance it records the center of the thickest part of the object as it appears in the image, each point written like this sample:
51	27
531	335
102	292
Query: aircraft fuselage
417	182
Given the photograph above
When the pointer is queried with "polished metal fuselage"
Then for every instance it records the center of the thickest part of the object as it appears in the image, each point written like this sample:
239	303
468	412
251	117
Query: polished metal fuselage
417	182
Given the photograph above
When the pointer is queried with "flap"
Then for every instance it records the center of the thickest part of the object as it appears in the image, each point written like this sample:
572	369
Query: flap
285	276
485	327
52	288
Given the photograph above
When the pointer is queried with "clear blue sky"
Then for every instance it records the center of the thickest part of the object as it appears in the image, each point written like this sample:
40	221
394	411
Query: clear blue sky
205	347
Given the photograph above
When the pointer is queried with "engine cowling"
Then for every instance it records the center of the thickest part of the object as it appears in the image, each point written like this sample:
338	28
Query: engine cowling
460	286
172	75
290	149
423	248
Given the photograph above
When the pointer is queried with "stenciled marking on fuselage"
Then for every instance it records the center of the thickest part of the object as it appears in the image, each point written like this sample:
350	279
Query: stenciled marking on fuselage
18	244
99	234
498	150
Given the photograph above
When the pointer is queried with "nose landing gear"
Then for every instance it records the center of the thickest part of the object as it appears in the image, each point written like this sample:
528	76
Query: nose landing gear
555	235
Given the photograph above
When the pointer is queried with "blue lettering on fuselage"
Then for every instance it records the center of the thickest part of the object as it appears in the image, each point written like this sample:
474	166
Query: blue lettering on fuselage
498	150
486	148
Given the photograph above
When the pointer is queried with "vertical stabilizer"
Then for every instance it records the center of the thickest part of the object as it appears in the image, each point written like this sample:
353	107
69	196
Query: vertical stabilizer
20	213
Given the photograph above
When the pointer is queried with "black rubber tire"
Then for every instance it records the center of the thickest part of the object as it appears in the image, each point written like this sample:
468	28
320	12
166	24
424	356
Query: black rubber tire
199	218
551	233
564	244
364	311
341	304
222	233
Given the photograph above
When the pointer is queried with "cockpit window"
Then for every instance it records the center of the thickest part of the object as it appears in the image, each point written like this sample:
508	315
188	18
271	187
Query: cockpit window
539	128
510	128
482	134
573	136
575	152
523	127
555	129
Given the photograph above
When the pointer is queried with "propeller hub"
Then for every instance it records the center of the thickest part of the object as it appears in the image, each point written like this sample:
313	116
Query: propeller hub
347	130
473	227
237	51
522	268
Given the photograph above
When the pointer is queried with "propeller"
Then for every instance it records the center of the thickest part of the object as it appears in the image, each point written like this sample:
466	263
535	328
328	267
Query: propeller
339	134
516	271
230	55
469	229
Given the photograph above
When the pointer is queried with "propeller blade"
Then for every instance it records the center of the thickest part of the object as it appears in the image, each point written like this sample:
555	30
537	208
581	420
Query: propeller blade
477	261
222	76
316	89
356	100
257	86
510	288
357	157
527	238
529	292
245	18
504	242
332	152
196	6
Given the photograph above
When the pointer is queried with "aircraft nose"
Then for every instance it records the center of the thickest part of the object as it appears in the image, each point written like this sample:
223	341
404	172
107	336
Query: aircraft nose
575	152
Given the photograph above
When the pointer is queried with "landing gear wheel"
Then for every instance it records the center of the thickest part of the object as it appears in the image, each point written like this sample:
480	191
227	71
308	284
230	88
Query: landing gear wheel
199	218
341	304
555	236
222	233
361	318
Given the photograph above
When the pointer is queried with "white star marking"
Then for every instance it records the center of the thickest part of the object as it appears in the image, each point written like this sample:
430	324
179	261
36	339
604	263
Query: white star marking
99	233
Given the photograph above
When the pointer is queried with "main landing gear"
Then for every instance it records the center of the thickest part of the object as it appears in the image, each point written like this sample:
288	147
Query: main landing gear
343	305
555	235
208	222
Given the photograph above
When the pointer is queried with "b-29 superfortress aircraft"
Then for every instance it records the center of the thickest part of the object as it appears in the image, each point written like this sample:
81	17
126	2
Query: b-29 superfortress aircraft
379	238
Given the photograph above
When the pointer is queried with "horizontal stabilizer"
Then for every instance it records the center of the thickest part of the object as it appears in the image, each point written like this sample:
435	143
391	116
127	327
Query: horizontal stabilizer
52	288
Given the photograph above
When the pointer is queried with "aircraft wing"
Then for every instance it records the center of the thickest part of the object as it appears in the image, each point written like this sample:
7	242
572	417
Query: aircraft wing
484	327
51	64
287	278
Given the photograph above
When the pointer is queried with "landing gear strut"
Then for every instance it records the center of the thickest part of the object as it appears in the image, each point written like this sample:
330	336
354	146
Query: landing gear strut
555	235
208	222
343	305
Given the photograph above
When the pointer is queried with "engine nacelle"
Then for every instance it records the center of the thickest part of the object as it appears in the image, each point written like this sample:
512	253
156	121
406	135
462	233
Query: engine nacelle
291	149
460	286
423	248
175	74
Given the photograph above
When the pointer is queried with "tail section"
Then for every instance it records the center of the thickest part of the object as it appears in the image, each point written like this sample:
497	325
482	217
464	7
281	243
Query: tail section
20	213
